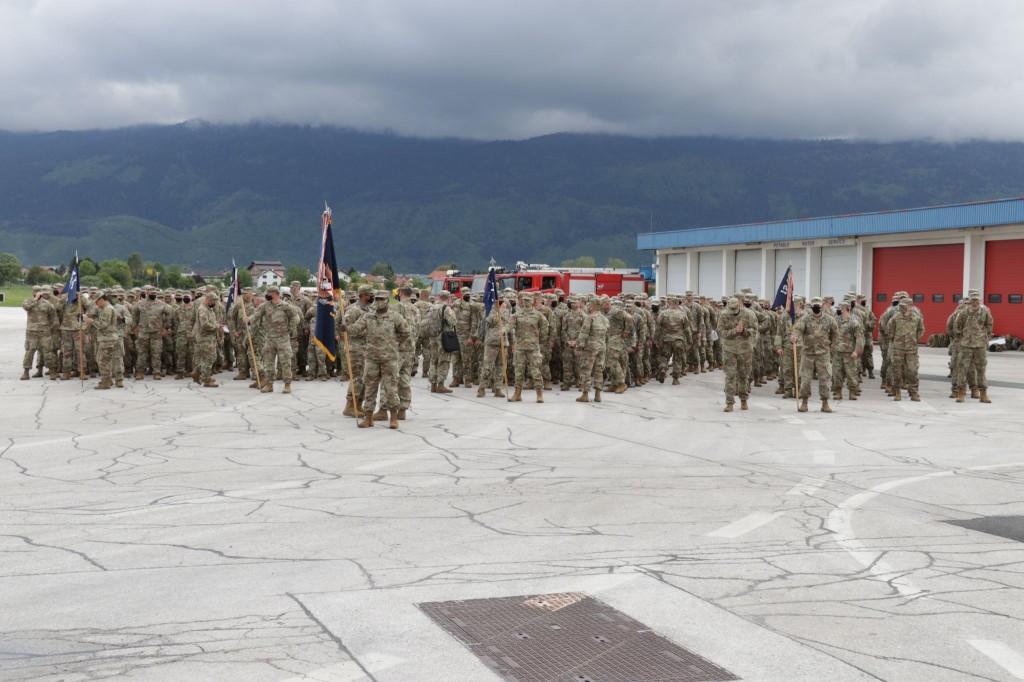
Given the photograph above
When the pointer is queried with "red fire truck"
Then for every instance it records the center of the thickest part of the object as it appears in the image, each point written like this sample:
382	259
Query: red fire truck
607	281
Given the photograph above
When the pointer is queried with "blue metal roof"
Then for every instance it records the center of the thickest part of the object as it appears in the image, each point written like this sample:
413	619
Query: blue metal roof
951	217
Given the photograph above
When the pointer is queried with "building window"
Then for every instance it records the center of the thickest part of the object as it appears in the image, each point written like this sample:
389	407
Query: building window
1016	298
995	298
918	298
957	298
938	298
881	298
548	283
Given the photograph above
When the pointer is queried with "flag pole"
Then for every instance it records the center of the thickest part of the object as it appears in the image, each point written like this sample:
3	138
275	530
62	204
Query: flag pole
81	341
252	348
796	374
348	360
504	359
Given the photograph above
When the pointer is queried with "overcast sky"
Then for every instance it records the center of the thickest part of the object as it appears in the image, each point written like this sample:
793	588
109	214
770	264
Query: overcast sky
881	69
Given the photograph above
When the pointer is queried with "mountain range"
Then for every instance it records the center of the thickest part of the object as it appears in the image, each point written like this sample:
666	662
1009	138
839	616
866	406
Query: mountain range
199	194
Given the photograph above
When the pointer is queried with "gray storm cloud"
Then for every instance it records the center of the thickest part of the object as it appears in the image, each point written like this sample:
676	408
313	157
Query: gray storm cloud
881	69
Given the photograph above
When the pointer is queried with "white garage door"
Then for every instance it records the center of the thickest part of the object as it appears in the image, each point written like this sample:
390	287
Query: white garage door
798	259
748	270
709	274
838	271
675	275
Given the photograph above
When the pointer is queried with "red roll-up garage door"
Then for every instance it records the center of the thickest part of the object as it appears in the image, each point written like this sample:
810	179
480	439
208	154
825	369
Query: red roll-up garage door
1004	285
932	275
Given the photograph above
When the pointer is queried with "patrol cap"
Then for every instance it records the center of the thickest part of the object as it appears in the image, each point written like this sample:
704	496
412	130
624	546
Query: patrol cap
973	292
147	287
974	295
287	293
845	305
381	293
273	289
816	300
246	290
212	295
443	295
295	283
905	302
365	289
464	290
559	292
689	293
36	289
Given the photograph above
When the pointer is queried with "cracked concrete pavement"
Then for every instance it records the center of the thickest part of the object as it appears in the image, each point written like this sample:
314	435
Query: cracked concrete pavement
165	531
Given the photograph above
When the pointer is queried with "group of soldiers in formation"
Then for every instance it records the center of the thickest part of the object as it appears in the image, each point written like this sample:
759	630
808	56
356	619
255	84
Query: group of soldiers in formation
529	341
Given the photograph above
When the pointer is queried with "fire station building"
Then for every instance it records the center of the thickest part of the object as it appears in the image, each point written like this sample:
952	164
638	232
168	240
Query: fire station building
936	254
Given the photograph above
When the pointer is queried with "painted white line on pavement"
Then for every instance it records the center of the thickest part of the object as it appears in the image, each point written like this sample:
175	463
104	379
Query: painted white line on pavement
744	525
1009	659
349	671
813	435
840	523
808	485
824	456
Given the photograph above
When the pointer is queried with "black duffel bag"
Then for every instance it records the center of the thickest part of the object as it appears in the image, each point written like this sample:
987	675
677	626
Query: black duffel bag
449	339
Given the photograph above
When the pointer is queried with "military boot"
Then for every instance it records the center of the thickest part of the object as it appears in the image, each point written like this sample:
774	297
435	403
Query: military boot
366	422
24	375
348	411
837	394
803	405
897	394
728	406
210	383
584	397
953	392
975	393
242	375
401	414
540	395
621	388
984	396
915	396
66	376
38	374
675	381
380	415
961	394
498	393
104	385
546	386
455	383
780	391
743	403
267	388
287	387
179	376
871	374
393	420
157	376
517	397
481	392
52	375
442	389
854	394
597	395
566	387
825	406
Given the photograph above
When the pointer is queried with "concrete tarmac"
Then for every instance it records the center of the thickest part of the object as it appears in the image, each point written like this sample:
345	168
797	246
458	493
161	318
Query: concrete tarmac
167	532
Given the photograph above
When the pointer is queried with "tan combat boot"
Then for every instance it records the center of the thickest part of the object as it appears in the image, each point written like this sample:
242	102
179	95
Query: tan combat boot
825	406
242	375
897	394
210	383
38	374
803	405
287	387
401	414
517	397
393	421
854	394
442	389
597	395
675	381
380	415
975	393
837	394
984	396
498	393
24	375
728	406
540	395
547	386
157	376
66	376
743	403
366	422
104	385
119	383
621	388
914	396
267	388
584	397
481	392
348	411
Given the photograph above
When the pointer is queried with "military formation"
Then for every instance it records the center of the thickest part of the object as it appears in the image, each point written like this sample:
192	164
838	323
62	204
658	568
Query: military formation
530	341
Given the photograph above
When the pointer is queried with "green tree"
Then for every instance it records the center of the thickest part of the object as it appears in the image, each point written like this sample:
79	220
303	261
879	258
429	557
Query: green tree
298	273
106	279
87	267
91	281
244	278
616	263
581	262
118	270
418	283
171	277
383	270
136	265
35	275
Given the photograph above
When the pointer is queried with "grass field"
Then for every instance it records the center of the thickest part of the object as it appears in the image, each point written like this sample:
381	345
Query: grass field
15	294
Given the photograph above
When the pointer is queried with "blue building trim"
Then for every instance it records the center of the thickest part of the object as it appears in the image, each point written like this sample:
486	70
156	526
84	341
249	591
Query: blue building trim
951	217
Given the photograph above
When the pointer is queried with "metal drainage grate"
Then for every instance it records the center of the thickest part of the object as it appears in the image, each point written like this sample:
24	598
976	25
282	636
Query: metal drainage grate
567	637
1011	527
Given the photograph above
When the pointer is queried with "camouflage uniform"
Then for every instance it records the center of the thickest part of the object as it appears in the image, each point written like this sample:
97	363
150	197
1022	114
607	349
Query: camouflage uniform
673	334
572	320
356	349
496	330
529	336
151	322
70	338
206	326
591	343
42	317
849	344
240	311
423	342
883	338
904	328
279	319
620	336
462	365
737	327
407	355
818	332
544	307
108	347
184	335
974	328
385	332
316	360
440	318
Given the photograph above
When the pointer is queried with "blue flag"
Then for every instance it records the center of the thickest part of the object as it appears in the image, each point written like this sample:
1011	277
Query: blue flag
73	285
784	294
490	292
328	292
236	289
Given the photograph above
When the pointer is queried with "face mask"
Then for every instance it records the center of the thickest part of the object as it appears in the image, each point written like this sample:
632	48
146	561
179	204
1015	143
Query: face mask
747	304
209	304
187	299
381	304
561	299
466	299
554	304
816	309
895	303
152	297
268	297
655	308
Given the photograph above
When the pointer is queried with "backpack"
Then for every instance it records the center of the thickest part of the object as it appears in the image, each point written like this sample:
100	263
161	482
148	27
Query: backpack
430	324
449	339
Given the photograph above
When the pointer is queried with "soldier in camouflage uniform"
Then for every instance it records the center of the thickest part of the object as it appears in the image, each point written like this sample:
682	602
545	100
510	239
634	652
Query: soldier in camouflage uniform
477	348
406	349
462	360
784	349
70	325
206	328
974	329
817	329
560	310
496	341
953	350
529	335
903	329
423	342
620	337
542	302
184	335
385	333
150	323
673	335
356	347
241	309
42	317
104	323
440	318
737	327
883	340
591	344
870	321
278	319
572	320
846	352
